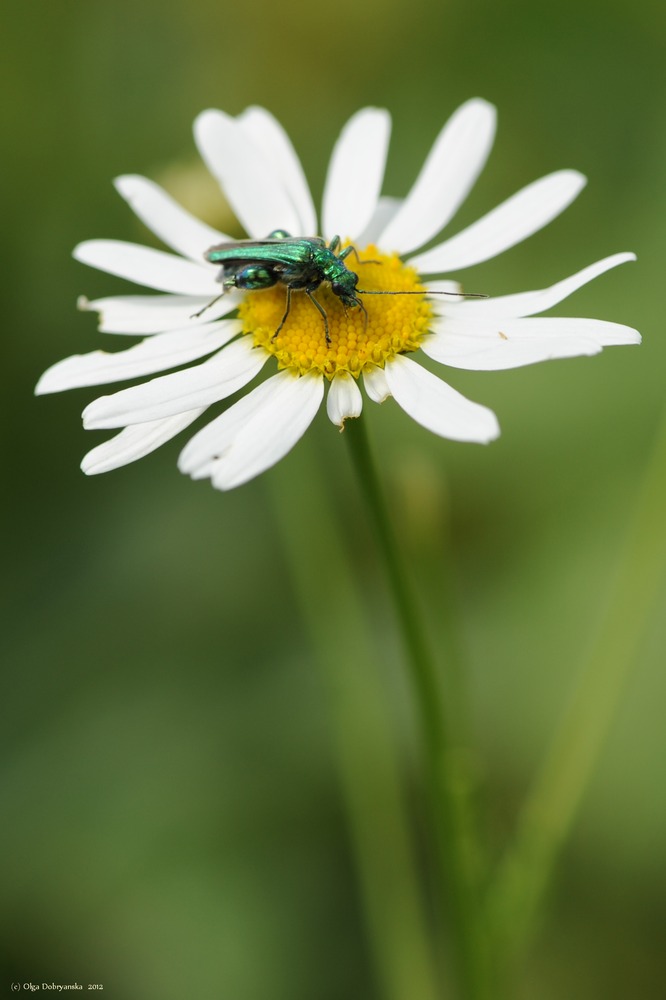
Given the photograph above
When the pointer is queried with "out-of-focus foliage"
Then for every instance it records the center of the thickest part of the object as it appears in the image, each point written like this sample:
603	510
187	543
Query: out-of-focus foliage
173	825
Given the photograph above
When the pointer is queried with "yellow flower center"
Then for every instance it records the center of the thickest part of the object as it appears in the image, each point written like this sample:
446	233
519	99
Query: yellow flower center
395	324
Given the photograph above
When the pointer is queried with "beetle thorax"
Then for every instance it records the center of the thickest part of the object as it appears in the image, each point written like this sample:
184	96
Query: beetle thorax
336	271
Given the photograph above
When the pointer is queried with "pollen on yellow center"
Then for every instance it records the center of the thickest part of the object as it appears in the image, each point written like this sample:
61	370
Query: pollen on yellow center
395	324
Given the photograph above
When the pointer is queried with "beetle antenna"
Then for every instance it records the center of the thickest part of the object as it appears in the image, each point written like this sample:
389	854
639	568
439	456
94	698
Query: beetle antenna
466	295
208	305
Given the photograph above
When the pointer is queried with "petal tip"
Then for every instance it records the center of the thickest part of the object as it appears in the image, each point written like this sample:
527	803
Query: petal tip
42	387
90	417
207	119
482	105
494	429
341	423
122	180
578	180
125	184
82	251
49	382
79	250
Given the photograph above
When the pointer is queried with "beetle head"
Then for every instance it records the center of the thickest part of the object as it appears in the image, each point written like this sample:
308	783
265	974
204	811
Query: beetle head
345	288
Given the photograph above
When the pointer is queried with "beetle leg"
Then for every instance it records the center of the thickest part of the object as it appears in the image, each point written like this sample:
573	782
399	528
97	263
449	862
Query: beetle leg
286	313
350	249
360	303
321	309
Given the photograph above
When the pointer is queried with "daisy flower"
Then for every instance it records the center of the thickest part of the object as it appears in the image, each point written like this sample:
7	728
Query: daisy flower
255	163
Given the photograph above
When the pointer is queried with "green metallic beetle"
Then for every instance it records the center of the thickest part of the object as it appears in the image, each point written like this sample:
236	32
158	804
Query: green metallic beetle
299	263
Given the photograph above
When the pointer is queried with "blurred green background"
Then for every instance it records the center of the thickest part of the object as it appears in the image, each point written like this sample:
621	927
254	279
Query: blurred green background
173	820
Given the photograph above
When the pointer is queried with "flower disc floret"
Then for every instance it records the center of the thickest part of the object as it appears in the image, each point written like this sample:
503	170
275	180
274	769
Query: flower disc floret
391	324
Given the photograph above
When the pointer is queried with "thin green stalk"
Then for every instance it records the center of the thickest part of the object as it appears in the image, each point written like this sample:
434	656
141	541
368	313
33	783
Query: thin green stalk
382	839
550	809
456	851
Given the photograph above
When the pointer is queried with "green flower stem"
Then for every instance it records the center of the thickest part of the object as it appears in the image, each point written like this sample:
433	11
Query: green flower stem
363	738
550	809
455	847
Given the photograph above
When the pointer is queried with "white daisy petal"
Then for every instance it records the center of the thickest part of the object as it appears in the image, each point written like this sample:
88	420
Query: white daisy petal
496	356
165	217
355	173
212	380
344	399
376	386
511	222
517	342
149	314
451	169
384	212
528	303
250	181
158	353
270	435
207	444
212	440
436	406
259	430
276	146
136	442
149	267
